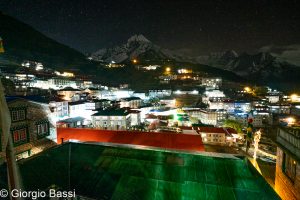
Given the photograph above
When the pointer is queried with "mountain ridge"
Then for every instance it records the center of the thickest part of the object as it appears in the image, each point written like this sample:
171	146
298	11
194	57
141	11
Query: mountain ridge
137	46
22	42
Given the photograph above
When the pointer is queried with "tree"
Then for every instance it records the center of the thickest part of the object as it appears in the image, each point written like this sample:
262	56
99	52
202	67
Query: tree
9	86
260	91
233	124
154	101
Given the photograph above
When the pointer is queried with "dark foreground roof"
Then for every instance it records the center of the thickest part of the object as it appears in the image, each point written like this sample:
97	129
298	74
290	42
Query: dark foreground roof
107	172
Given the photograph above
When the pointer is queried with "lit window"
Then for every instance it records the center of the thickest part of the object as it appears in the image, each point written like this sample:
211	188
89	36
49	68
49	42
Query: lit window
43	129
22	134
16	136
19	135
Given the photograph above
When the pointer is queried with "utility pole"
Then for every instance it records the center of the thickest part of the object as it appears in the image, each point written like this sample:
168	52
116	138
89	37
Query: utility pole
12	169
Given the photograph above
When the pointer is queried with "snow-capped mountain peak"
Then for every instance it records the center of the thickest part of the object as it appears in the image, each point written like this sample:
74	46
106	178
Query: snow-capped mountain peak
136	46
138	38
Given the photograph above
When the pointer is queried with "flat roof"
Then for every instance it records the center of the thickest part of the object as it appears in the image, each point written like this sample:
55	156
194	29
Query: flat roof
119	172
112	112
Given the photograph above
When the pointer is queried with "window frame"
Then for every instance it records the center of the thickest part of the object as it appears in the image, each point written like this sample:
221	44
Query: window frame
18	114
42	129
20	136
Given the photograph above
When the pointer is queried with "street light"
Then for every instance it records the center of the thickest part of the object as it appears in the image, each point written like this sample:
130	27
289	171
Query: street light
290	120
168	69
294	97
247	89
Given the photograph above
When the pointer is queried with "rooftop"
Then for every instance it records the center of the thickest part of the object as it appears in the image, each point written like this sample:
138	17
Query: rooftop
123	172
130	98
70	120
76	103
112	112
150	139
69	89
34	98
216	130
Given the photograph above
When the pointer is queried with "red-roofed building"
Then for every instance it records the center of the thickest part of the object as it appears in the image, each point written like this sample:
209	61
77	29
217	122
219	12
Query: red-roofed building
152	139
216	135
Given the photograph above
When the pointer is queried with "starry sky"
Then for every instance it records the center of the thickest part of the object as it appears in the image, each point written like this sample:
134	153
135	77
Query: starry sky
192	27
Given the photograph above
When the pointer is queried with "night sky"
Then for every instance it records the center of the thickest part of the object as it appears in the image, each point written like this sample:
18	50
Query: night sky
191	26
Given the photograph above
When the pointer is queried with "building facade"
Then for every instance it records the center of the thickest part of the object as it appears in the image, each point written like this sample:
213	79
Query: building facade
214	82
116	119
287	180
131	102
217	136
31	129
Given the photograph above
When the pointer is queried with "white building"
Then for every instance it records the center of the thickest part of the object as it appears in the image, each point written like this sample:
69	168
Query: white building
168	102
243	119
144	110
273	98
214	82
68	93
59	108
214	93
78	109
57	83
135	116
181	92
97	104
215	105
118	94
131	102
211	117
159	93
280	108
118	119
244	106
218	136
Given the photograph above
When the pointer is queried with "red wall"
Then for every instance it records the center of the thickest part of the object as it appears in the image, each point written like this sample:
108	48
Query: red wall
162	140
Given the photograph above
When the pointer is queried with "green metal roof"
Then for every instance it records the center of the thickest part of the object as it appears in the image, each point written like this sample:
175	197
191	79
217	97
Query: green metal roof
107	172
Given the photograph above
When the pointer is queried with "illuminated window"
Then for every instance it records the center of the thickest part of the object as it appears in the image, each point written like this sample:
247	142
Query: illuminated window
20	135
43	129
16	136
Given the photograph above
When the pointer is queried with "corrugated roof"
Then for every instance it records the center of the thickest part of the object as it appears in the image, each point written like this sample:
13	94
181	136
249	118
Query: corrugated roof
110	172
211	130
154	139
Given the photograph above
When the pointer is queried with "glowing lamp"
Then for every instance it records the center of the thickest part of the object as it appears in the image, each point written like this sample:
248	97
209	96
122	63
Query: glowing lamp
247	89
294	97
290	120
